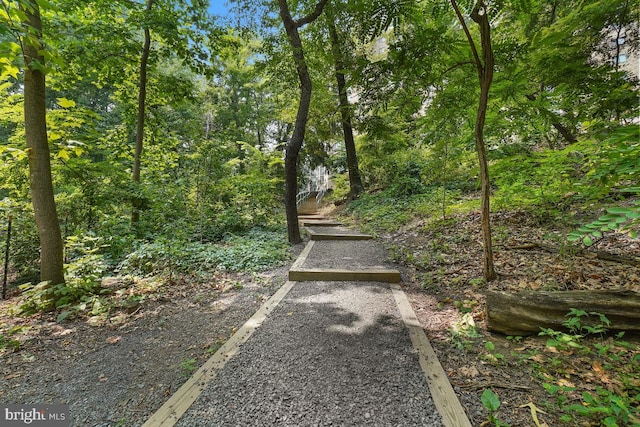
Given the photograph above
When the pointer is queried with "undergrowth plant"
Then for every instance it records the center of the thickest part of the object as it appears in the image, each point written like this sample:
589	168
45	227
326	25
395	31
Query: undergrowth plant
81	291
593	380
256	250
491	402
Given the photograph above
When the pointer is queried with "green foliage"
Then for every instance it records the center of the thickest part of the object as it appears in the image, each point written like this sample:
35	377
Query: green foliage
579	326
492	356
8	342
407	178
616	402
536	179
187	367
255	250
619	220
613	167
491	401
614	162
380	211
81	293
610	409
463	331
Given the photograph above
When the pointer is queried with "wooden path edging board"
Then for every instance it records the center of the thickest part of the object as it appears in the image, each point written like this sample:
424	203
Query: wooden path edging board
447	403
171	411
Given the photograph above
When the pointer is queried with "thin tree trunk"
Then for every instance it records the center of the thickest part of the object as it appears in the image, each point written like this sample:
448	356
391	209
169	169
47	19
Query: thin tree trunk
355	182
295	143
485	77
142	97
562	129
51	247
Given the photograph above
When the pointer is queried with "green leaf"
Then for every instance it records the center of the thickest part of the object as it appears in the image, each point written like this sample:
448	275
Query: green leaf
490	400
63	316
579	409
66	103
587	241
63	154
619	211
54	136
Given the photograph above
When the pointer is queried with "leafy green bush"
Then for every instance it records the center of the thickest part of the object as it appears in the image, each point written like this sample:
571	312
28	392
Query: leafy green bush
537	179
597	405
80	292
381	211
407	176
617	219
255	250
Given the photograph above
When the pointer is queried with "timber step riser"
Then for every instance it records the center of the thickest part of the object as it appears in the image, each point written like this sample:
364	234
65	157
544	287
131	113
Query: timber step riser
316	236
327	275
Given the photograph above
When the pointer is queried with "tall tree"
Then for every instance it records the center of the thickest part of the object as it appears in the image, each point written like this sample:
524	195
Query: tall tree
35	120
142	96
484	66
355	182
295	142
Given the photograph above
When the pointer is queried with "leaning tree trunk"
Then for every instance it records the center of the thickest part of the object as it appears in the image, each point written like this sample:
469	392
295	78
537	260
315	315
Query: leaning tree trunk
524	313
295	143
142	99
35	121
485	76
562	129
355	182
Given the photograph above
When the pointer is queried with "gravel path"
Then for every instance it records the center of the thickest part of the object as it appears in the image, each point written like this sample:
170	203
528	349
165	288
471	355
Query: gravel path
354	254
332	353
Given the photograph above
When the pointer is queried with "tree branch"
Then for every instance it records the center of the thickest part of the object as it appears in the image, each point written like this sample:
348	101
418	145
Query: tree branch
459	64
313	15
476	57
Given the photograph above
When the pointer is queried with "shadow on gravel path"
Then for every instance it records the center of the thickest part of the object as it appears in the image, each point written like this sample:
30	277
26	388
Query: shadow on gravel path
332	353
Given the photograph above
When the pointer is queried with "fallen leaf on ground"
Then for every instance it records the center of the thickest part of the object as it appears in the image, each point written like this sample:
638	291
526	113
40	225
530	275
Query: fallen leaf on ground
469	371
113	340
534	413
11	376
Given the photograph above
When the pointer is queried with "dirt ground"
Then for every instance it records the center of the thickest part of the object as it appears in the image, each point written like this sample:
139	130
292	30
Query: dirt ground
118	370
443	279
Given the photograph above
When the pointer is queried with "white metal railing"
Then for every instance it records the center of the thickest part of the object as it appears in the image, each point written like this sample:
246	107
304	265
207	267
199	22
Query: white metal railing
317	184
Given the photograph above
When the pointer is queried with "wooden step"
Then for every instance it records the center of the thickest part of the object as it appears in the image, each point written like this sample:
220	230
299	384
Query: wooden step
332	274
314	235
311	216
318	222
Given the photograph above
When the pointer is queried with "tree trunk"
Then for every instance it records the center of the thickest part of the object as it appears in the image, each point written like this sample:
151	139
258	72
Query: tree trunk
35	121
142	97
524	313
485	77
562	129
295	143
355	182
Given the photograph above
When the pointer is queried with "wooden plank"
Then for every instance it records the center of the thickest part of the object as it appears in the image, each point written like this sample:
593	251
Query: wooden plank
311	216
171	411
446	400
525	312
328	274
314	235
303	256
319	223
